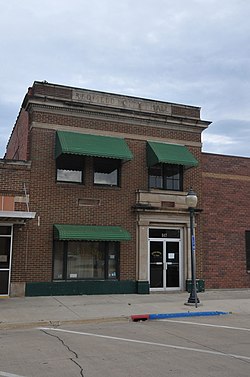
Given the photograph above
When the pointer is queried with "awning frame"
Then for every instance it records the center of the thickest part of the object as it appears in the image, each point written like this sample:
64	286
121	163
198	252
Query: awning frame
68	232
170	154
91	145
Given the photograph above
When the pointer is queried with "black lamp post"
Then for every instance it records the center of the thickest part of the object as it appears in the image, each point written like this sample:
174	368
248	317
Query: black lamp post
191	201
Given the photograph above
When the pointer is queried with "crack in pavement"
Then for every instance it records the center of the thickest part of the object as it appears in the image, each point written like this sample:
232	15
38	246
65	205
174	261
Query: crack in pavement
62	304
69	349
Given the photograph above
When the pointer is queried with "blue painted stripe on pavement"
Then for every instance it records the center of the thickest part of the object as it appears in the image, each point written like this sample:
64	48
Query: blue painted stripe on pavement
188	314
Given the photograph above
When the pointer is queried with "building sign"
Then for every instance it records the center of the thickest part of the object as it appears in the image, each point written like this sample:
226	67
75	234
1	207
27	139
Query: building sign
118	101
164	233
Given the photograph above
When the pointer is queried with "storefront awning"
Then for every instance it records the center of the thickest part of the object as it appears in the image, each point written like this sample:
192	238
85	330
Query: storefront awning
16	217
91	145
90	233
169	154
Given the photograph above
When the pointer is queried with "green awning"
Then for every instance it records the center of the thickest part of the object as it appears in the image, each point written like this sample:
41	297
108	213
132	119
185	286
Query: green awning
169	154
91	145
90	233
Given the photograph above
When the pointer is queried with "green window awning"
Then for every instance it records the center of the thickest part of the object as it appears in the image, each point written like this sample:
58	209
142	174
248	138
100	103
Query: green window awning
169	154
91	145
90	233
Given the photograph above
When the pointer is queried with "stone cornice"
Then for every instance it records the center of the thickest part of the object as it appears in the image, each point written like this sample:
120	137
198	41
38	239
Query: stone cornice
166	122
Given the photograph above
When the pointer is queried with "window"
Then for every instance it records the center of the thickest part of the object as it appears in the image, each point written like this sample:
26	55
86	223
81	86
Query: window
5	230
69	168
106	171
248	249
166	176
86	260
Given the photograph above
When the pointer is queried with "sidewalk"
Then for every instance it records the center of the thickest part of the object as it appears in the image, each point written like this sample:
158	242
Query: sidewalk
51	310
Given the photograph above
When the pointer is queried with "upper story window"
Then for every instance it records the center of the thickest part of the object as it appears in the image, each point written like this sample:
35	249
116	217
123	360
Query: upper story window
166	177
166	163
108	154
69	168
107	171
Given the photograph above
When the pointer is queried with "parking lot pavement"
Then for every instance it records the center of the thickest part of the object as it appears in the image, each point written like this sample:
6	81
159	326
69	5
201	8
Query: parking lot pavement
207	347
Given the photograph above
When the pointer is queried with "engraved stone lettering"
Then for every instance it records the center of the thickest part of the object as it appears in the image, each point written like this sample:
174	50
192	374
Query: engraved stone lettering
113	100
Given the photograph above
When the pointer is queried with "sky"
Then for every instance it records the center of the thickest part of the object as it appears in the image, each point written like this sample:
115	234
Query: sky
193	52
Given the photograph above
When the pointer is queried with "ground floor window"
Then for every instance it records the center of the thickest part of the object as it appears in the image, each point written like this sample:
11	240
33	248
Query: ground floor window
86	260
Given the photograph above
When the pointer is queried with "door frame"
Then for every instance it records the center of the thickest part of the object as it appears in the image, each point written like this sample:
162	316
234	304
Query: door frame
10	260
164	241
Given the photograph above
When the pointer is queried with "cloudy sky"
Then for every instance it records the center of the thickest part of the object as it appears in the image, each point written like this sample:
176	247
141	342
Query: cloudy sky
195	52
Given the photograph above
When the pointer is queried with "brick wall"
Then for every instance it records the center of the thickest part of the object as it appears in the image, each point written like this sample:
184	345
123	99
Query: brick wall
17	147
58	202
95	124
13	175
226	216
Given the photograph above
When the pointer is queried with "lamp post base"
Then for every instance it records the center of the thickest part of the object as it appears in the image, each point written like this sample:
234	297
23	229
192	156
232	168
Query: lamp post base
193	299
193	304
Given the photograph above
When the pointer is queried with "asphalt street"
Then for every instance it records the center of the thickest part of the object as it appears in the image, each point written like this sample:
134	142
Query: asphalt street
190	347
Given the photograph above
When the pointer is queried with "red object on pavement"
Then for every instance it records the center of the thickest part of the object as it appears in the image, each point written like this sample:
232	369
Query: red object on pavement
140	317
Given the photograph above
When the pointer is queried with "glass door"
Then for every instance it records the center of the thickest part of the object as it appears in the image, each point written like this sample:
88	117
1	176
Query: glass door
172	265
156	264
5	258
165	262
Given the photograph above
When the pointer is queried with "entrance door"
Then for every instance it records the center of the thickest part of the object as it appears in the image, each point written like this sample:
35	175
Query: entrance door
156	264
164	264
5	258
172	265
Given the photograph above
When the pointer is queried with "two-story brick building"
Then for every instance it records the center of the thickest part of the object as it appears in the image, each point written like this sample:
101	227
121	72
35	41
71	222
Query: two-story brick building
93	189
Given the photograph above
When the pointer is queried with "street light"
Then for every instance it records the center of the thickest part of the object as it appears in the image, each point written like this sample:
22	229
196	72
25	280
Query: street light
191	201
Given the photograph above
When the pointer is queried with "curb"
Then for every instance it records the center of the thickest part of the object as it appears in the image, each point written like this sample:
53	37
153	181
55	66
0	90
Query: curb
58	323
134	318
145	317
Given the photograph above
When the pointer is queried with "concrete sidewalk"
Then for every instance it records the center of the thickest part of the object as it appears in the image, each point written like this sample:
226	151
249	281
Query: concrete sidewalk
40	311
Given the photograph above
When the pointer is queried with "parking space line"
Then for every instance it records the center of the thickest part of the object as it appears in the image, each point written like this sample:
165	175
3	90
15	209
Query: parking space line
216	353
5	374
206	324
